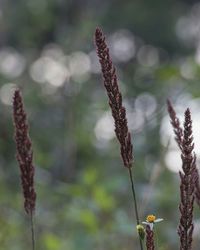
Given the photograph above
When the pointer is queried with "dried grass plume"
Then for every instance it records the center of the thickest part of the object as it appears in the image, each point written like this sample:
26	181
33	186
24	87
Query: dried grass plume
24	153
115	98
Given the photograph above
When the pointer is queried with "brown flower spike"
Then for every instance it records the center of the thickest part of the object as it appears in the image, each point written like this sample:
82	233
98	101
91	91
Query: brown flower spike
115	98
24	153
186	226
188	176
179	139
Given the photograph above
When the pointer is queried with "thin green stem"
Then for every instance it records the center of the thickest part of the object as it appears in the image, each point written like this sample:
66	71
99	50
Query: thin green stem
32	231
135	203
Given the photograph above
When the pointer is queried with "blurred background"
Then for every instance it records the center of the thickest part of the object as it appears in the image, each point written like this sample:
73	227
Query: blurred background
84	198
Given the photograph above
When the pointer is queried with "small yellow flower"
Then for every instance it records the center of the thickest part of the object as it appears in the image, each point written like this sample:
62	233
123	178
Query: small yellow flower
151	220
141	231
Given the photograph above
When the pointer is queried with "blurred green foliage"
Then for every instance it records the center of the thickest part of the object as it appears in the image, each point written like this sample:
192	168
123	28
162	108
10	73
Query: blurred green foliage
84	199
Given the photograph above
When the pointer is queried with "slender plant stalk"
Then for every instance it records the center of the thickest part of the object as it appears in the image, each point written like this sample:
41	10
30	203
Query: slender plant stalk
32	231
118	110
135	202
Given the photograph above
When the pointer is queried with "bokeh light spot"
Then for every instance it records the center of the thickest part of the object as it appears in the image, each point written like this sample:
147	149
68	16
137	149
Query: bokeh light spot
46	69
148	56
104	129
146	103
7	92
122	46
12	64
79	65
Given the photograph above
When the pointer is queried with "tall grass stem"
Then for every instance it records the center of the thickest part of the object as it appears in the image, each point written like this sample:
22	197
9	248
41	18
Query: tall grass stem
135	203
32	231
